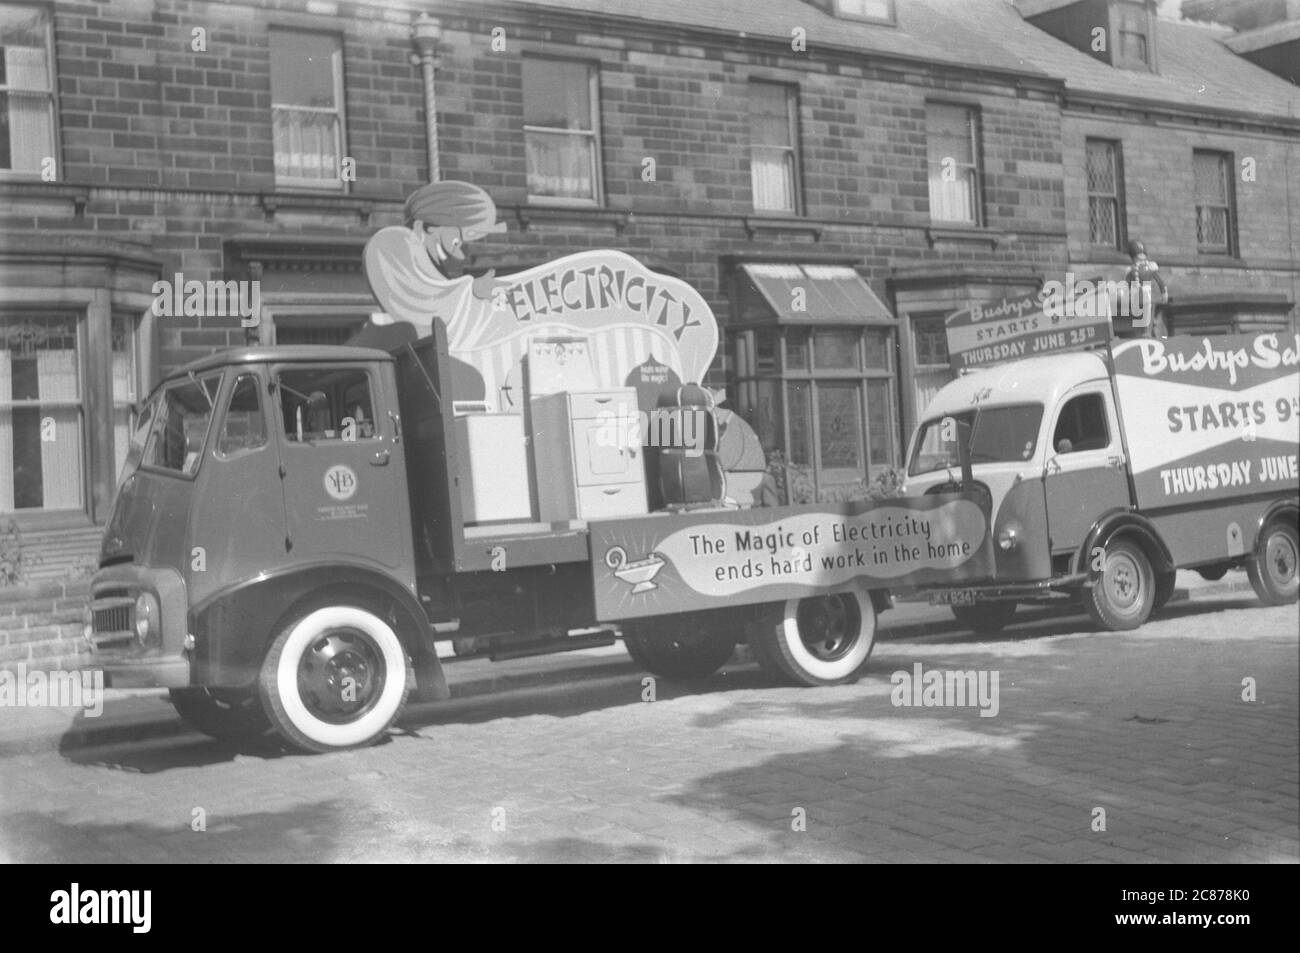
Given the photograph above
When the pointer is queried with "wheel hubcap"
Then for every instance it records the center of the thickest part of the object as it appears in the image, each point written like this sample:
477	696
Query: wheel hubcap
829	625
341	676
1280	558
1123	581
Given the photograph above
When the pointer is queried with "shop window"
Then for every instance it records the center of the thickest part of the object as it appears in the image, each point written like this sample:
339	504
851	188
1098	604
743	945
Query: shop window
1215	212
40	415
952	150
180	426
837	386
26	91
326	404
561	140
773	151
125	392
1105	200
930	368
1082	425
307	109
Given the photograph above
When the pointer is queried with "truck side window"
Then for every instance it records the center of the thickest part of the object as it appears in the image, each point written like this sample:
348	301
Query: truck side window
1082	425
326	403
244	427
181	425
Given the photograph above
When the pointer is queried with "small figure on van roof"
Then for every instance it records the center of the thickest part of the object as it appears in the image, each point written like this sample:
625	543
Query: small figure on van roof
1141	275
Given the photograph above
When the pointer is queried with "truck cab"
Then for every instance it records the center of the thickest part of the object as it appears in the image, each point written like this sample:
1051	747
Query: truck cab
256	480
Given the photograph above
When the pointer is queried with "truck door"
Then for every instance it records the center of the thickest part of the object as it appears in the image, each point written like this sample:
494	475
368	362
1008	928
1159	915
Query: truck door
1086	473
342	471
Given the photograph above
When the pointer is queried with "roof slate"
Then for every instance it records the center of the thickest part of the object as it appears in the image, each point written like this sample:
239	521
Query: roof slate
1196	69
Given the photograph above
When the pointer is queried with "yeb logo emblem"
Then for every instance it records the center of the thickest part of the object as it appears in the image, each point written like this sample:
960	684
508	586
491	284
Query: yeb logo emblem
340	482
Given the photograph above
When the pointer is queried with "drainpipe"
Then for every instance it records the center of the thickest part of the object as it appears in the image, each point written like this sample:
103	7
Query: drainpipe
425	33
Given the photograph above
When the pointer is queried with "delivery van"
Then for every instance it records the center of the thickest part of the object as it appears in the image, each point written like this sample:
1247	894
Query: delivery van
1107	470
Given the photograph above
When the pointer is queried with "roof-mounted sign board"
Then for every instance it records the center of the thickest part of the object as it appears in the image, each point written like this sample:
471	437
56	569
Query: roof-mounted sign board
1071	318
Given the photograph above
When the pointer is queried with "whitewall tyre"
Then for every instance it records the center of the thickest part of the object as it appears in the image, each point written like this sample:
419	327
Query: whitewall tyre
817	640
334	679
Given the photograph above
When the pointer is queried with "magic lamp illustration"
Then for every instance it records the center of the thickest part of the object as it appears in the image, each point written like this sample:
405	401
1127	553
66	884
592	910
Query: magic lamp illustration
638	573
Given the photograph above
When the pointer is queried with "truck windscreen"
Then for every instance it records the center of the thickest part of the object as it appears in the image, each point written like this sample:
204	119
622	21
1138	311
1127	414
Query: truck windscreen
998	435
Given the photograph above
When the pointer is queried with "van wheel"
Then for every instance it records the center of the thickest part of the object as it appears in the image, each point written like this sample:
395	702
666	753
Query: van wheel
1272	567
690	645
985	618
227	714
817	640
1122	595
1213	573
336	678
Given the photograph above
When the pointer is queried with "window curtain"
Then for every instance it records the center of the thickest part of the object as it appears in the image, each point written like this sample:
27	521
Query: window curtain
6	436
559	165
61	457
305	144
772	173
31	132
952	201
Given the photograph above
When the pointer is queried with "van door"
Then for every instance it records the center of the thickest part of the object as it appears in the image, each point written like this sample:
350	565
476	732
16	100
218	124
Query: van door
1086	473
342	471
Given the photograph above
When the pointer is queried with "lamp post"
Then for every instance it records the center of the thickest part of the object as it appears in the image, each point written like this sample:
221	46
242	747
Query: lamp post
425	33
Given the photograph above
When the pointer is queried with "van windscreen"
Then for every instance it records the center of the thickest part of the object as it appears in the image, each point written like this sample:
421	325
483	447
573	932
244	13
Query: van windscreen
998	435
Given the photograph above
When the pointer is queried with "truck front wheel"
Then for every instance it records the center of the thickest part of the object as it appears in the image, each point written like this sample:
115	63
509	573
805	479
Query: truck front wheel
1122	594
1272	567
692	645
985	618
335	678
225	714
817	640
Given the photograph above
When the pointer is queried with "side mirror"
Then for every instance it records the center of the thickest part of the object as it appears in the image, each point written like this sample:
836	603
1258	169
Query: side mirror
1064	445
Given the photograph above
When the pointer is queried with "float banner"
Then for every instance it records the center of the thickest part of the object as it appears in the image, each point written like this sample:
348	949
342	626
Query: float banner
1210	418
708	560
1009	329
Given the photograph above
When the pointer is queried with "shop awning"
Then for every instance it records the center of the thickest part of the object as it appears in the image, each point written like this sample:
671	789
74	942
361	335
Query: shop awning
830	294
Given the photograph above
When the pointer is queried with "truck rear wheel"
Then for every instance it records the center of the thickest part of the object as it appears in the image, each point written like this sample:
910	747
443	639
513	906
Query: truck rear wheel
225	714
985	618
1272	567
335	678
1123	593
691	645
817	640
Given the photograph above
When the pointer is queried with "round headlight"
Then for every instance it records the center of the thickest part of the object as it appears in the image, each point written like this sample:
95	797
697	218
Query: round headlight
1009	537
146	618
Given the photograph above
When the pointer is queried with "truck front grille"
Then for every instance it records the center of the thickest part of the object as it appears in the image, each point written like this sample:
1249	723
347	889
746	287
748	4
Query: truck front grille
112	619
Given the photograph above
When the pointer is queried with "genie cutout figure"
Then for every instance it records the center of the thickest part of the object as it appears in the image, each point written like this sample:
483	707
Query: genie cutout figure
406	265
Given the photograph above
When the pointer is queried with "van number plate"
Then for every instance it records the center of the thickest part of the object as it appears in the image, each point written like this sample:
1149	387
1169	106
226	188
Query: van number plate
953	597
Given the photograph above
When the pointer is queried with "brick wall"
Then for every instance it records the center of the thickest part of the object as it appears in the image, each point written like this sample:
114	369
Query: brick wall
41	626
1160	201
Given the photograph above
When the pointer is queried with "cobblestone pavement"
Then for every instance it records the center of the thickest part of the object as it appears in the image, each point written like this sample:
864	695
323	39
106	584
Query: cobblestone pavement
1149	727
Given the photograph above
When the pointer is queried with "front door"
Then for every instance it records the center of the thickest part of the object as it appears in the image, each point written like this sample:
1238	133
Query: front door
343	475
1085	473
